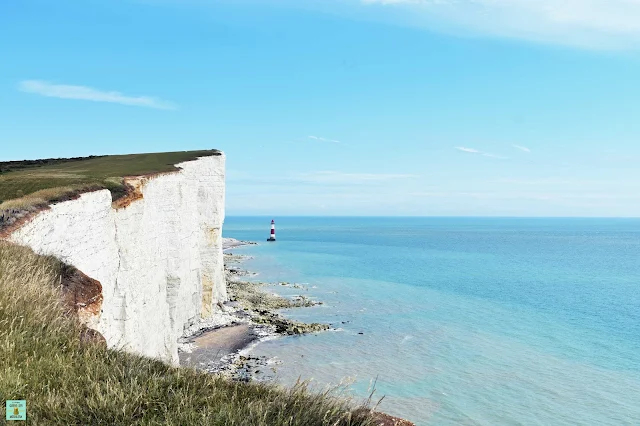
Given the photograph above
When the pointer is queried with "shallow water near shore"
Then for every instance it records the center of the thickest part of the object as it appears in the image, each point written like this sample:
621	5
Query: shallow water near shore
475	321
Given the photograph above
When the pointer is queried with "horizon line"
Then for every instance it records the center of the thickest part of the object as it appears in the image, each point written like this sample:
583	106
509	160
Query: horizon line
435	216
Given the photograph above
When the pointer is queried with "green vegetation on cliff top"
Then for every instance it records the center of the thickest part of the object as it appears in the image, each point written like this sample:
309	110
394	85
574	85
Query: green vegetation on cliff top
25	184
68	382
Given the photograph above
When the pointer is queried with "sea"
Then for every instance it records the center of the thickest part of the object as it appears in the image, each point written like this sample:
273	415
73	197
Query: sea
460	321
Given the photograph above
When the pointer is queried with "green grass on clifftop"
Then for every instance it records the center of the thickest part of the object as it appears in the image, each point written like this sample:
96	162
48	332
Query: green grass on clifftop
66	382
24	184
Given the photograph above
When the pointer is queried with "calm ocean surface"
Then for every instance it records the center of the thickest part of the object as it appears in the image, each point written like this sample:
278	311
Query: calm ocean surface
465	321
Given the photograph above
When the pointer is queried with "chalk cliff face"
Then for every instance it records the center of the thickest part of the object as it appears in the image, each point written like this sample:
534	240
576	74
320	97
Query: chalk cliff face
158	255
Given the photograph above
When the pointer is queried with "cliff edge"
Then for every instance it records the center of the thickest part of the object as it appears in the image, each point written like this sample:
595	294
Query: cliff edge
157	253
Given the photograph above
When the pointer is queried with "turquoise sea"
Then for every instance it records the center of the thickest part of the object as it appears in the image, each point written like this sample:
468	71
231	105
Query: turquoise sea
464	321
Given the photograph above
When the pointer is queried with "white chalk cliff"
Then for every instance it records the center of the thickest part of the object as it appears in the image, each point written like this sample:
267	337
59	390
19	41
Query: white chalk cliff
159	258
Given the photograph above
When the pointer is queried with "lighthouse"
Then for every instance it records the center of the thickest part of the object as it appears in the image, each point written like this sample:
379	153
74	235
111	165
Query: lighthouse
273	231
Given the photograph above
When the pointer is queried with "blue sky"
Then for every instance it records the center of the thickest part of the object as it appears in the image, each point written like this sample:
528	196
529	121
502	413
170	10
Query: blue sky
343	107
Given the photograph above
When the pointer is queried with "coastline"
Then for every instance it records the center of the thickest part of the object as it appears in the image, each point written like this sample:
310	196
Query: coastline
229	243
221	344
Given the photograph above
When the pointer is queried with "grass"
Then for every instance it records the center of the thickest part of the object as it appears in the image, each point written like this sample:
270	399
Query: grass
69	382
26	178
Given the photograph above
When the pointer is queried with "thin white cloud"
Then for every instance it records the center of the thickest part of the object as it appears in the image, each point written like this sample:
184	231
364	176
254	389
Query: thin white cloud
500	157
484	154
471	150
320	179
65	91
568	183
317	138
522	148
584	23
593	24
342	177
527	195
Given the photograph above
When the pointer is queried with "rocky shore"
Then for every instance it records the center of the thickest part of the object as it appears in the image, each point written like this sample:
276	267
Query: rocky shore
260	306
229	243
220	344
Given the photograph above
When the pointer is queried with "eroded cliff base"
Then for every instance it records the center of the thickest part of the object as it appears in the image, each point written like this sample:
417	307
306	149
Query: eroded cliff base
219	345
68	381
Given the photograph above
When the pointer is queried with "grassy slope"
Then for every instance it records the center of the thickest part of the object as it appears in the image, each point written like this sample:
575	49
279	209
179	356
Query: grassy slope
20	179
66	382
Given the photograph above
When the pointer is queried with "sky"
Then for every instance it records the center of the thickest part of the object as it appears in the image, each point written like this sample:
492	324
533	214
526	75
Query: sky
342	107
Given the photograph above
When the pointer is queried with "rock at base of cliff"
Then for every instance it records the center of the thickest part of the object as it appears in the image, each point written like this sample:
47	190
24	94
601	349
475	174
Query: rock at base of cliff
81	294
382	419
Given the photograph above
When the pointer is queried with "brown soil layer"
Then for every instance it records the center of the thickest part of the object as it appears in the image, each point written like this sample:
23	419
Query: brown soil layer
82	296
122	194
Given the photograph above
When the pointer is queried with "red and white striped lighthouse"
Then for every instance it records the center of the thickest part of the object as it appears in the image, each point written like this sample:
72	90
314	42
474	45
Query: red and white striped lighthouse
273	231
